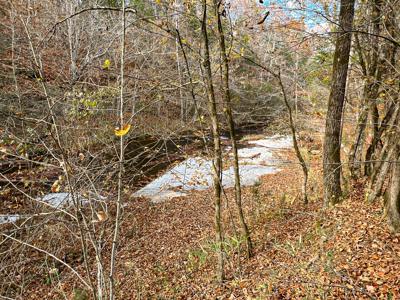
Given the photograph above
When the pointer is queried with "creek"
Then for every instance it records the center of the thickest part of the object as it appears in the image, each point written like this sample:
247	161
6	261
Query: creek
257	158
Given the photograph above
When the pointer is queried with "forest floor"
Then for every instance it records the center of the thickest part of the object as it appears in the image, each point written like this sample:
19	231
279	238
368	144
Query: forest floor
300	251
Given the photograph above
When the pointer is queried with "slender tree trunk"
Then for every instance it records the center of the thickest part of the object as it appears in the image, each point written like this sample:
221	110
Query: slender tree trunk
387	124
294	137
114	245
375	125
192	93
355	154
296	79
332	143
217	161
375	73
356	148
182	101
370	94
376	189
229	115
393	204
387	155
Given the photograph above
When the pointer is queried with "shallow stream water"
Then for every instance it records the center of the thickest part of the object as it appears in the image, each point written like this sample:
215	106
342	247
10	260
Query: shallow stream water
258	158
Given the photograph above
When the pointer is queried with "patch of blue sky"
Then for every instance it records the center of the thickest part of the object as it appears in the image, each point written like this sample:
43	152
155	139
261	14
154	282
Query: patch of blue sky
312	12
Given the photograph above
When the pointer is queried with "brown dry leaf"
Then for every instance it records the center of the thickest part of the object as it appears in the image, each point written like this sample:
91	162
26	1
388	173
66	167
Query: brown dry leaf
365	279
101	215
349	286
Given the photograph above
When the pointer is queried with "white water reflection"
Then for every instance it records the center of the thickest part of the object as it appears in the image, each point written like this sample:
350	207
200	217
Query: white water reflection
56	200
53	199
196	173
8	219
274	142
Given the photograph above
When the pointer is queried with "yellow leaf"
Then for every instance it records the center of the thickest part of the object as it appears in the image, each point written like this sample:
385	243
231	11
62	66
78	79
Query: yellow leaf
55	188
123	131
236	55
106	64
389	81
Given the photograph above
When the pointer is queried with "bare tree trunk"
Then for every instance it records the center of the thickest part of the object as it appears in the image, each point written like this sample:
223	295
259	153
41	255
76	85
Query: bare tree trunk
393	204
295	144
372	88
121	161
72	42
388	154
182	101
369	107
296	79
192	93
332	142
217	162
356	148
229	115
376	188
388	124
376	138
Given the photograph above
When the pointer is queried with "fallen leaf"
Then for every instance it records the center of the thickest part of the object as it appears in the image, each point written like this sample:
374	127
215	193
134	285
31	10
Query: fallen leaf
101	215
55	188
121	132
106	64
370	288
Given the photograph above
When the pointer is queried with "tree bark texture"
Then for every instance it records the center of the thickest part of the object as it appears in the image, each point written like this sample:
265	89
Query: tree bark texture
388	154
332	142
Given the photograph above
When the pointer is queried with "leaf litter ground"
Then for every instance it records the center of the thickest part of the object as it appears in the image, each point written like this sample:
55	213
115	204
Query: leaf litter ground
301	251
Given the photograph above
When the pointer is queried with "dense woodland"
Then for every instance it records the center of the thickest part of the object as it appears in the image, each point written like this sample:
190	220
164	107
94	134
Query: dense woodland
99	98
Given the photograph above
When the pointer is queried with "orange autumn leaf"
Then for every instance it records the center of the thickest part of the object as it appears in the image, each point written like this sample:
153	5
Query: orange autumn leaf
123	131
